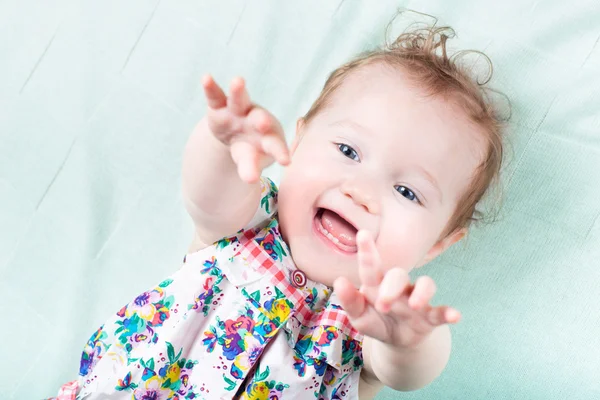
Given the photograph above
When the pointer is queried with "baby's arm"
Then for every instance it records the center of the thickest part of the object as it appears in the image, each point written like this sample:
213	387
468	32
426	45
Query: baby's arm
407	368
223	160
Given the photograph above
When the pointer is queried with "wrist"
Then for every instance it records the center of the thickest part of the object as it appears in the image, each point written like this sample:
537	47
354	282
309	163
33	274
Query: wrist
411	367
439	334
203	130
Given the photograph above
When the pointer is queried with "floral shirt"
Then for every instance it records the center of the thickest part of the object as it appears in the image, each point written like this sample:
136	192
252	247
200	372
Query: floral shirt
237	321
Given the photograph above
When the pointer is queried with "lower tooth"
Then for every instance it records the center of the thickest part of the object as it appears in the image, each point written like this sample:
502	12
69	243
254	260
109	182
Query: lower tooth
333	239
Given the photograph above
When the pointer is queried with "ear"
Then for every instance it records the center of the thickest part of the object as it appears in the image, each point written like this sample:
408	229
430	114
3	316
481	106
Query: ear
443	244
296	141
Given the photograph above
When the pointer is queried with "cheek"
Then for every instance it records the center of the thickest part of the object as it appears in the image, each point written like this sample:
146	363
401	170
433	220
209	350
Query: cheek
306	174
312	160
303	182
405	237
299	183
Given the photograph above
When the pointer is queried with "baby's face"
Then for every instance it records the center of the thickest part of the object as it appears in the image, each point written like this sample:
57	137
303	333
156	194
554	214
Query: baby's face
384	157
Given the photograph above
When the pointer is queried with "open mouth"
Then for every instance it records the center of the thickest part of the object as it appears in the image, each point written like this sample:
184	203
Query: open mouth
335	230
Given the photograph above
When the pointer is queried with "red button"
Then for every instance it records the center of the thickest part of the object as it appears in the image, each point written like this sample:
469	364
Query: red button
298	278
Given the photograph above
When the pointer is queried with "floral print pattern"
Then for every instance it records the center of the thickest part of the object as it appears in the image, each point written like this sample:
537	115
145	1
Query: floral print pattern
242	340
218	326
169	381
271	244
143	315
210	286
262	389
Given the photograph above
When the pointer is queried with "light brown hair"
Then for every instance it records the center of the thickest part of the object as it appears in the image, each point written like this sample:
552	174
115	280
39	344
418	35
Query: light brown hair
421	53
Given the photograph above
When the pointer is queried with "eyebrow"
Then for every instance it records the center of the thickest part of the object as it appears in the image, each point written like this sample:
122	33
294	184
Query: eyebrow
353	125
430	178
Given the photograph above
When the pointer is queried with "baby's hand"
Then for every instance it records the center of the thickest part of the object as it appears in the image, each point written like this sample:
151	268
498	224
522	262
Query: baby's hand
387	307
254	136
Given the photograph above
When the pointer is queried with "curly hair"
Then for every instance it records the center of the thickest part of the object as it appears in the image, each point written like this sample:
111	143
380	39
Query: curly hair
421	53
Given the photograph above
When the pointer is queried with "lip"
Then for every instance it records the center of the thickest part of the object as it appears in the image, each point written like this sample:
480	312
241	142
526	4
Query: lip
325	240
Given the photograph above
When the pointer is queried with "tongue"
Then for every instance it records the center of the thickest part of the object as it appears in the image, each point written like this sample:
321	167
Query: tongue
339	228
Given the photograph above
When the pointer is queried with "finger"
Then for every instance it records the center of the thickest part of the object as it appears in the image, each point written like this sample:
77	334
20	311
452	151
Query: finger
422	293
261	120
351	300
239	100
452	315
276	147
272	142
219	120
391	289
246	157
214	94
443	315
369	262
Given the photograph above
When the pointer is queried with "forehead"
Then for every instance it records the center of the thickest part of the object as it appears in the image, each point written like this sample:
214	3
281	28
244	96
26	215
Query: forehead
408	125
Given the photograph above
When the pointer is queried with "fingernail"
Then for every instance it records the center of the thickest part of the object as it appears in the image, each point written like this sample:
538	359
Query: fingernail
454	316
415	303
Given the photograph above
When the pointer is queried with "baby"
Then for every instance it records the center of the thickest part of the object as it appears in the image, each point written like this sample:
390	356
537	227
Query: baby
304	293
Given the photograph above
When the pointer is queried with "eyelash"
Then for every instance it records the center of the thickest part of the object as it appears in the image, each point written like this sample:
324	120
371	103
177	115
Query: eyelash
410	192
344	148
353	155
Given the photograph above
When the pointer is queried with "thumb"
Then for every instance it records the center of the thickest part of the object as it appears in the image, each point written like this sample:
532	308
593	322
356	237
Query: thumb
353	302
247	159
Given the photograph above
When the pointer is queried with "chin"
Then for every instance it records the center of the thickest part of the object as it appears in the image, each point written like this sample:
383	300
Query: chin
320	262
317	270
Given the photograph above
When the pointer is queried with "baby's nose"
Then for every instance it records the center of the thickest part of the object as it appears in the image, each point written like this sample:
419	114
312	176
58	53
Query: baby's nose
362	195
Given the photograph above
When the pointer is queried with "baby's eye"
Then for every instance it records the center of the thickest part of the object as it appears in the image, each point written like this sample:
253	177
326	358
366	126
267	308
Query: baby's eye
348	151
406	192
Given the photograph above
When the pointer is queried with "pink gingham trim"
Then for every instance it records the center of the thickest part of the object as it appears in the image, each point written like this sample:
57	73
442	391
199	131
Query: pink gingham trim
279	276
68	391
